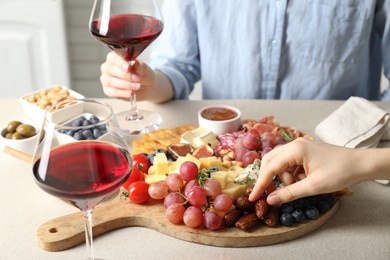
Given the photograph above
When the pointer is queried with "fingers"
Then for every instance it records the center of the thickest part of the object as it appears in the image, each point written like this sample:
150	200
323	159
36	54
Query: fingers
267	172
277	162
291	192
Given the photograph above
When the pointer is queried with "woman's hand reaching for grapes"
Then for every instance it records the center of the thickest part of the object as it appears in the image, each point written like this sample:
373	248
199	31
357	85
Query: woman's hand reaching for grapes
119	79
309	168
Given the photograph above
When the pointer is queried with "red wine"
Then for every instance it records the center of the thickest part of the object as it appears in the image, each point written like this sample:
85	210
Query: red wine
128	35
83	173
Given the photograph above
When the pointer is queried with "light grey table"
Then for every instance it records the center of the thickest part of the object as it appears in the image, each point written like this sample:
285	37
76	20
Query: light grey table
359	230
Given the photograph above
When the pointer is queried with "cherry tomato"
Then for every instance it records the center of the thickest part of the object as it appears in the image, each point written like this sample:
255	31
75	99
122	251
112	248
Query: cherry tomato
142	162
135	175
138	192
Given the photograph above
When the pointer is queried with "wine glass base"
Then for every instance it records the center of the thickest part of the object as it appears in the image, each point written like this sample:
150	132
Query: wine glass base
150	121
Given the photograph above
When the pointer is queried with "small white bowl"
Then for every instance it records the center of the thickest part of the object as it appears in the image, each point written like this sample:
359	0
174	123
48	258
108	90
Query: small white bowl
35	112
26	145
217	120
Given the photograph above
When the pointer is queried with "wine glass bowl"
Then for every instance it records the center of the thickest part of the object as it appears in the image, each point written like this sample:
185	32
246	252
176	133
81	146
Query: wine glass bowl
127	27
83	157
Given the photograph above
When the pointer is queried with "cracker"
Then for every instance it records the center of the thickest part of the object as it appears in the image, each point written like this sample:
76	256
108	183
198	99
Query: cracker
146	146
160	138
167	136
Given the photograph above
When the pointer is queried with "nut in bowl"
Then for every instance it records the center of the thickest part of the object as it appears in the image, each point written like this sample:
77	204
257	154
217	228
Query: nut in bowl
35	104
220	119
20	136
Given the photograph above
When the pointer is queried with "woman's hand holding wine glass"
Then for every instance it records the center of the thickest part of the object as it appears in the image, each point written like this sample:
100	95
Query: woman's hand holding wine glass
127	27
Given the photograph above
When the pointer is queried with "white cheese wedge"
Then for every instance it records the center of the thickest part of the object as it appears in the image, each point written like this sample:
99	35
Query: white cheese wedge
199	136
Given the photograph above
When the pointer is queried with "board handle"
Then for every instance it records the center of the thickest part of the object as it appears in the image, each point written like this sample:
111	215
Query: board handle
68	231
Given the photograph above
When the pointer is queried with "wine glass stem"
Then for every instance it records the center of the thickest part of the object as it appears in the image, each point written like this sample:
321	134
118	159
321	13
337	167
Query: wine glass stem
88	233
134	112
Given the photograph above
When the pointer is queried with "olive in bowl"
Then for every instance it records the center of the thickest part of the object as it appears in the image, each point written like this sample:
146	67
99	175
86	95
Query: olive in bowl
20	136
220	119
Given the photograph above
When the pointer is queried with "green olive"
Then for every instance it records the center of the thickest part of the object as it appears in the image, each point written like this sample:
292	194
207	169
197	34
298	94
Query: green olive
26	130
17	136
11	127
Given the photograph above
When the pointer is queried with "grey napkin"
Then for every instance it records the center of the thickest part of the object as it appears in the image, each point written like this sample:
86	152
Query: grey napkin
357	123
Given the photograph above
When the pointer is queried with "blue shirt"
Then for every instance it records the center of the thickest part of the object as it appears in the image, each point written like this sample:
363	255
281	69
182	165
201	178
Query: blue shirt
275	49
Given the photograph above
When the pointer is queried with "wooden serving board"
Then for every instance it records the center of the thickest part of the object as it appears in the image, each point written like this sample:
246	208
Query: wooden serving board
68	231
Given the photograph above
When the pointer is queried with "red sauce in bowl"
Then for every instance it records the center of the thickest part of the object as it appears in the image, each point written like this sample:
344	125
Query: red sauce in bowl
218	113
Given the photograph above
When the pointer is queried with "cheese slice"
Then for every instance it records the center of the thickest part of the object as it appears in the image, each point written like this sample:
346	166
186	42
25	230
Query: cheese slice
154	178
234	171
212	161
221	177
160	163
234	190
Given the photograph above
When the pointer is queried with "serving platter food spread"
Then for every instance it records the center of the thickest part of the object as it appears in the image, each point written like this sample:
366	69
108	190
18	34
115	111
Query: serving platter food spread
68	231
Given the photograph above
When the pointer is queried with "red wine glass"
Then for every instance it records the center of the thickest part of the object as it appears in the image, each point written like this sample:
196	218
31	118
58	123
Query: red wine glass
82	157
128	27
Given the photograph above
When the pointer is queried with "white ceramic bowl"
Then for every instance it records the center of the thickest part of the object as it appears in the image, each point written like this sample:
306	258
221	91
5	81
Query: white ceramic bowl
220	119
36	113
26	145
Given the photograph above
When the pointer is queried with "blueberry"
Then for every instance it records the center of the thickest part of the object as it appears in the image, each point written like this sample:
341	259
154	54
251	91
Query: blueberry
70	132
314	200
298	204
78	136
86	122
298	215
306	203
97	133
94	119
286	207
330	198
88	135
286	219
159	150
213	169
312	213
102	128
62	131
77	122
323	206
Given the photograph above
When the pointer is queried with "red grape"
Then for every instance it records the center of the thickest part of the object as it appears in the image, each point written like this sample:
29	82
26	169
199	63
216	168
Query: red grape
197	196
193	217
212	221
268	140
250	157
223	202
212	188
158	190
188	171
266	150
174	182
172	198
189	186
254	132
251	142
175	212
